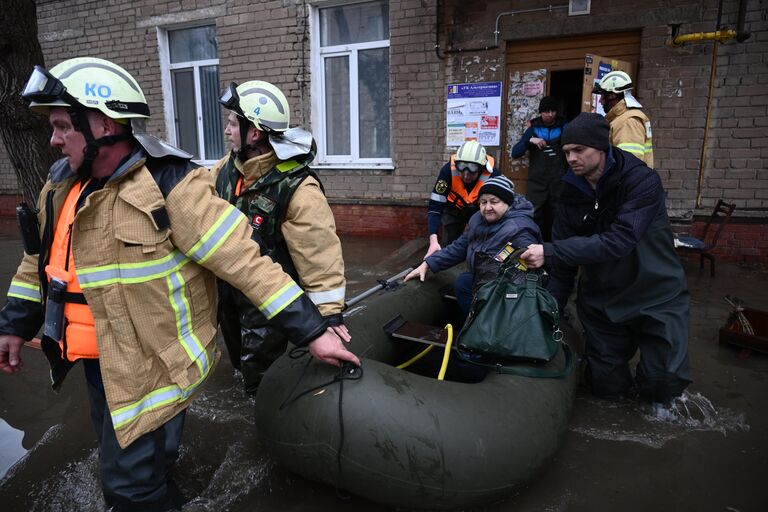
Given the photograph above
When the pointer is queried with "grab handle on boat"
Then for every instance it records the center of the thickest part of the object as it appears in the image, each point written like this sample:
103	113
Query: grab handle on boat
381	286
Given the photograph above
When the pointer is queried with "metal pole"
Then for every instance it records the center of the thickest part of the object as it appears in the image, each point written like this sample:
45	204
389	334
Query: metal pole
378	287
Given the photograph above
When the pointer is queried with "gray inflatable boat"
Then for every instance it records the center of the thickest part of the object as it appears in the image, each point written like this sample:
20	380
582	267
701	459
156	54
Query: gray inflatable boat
404	439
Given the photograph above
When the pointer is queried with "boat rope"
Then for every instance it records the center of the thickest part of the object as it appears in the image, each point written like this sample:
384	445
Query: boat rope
346	372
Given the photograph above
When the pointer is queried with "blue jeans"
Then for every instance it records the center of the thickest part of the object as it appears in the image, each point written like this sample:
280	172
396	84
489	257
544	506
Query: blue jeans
463	289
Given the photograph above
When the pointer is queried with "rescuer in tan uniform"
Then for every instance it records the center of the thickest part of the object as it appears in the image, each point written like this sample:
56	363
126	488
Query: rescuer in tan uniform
630	127
131	235
267	177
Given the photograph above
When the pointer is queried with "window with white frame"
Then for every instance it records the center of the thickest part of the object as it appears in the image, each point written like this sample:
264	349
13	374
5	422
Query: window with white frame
351	61
193	79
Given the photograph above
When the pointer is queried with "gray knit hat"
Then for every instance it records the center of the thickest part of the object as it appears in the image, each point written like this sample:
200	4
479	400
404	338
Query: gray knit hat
587	129
500	186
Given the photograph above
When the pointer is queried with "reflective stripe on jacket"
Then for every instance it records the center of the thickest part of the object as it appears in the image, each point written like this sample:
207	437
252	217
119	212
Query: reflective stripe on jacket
151	287
631	131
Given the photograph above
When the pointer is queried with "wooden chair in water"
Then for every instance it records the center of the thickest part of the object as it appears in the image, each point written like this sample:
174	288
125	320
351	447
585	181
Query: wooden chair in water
703	246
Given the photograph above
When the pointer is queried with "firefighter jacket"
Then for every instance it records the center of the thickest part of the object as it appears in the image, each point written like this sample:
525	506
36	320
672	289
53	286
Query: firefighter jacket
147	245
291	220
450	191
631	131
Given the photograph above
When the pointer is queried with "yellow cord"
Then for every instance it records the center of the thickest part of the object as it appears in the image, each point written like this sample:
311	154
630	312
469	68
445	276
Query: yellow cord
415	358
447	353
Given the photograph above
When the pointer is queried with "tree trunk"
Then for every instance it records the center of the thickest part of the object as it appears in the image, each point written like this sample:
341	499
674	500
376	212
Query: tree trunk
26	135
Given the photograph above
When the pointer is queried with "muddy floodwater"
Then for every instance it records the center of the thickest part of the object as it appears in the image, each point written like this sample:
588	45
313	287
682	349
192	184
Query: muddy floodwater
710	453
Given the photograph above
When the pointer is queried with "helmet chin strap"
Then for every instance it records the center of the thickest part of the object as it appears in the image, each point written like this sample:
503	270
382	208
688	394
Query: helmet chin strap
92	145
242	153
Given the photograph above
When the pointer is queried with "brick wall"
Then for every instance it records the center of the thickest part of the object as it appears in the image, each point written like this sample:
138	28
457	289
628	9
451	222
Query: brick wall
270	40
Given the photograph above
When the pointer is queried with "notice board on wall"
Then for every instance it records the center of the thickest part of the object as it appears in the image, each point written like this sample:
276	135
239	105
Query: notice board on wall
473	112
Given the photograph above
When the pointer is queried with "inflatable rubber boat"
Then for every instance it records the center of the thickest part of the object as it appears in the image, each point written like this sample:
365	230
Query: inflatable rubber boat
406	439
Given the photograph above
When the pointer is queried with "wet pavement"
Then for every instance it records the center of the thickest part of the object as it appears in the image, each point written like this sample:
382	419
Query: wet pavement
710	454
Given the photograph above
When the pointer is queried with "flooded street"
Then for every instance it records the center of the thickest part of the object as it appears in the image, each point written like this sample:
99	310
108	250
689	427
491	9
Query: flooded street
709	453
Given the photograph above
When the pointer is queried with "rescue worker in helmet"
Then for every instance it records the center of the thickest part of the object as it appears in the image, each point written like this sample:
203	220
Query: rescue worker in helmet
131	236
630	127
454	197
267	177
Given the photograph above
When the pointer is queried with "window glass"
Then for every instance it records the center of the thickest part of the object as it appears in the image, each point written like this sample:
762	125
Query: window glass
213	129
185	111
188	44
337	118
355	23
373	90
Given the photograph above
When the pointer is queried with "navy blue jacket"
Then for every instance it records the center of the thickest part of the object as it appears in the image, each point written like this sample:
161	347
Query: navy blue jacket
620	236
517	226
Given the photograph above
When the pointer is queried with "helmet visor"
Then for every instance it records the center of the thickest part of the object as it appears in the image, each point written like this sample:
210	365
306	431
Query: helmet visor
472	167
230	100
43	87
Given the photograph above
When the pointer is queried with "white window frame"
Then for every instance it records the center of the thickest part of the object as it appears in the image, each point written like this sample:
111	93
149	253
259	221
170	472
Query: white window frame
164	50
318	55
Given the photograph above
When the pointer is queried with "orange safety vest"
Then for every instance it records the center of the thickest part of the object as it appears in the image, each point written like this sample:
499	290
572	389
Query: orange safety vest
459	196
80	336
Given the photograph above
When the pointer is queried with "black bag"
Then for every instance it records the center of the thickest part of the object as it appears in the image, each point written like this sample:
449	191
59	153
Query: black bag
514	318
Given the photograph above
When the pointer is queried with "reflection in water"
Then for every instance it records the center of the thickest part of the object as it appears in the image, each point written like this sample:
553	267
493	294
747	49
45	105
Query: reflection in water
655	425
11	450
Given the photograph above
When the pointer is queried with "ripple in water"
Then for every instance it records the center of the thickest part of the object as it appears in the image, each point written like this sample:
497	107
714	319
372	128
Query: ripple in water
655	425
75	489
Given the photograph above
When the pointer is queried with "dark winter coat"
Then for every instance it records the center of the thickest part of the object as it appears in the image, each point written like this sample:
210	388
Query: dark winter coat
620	236
516	226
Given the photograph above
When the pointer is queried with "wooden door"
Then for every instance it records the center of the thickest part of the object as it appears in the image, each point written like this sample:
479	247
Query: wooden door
528	61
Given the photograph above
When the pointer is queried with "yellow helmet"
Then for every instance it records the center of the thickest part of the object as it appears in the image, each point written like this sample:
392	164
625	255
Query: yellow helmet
473	156
615	82
259	102
87	82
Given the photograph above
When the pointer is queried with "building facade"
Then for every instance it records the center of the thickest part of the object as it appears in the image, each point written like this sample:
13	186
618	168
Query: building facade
371	80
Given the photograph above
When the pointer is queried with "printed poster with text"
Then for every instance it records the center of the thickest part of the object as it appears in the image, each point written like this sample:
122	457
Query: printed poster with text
473	113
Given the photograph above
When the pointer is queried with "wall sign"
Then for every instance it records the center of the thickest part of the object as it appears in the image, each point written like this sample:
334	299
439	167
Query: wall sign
473	113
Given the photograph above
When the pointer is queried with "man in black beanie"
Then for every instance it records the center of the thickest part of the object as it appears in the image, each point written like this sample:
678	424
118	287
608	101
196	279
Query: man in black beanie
632	293
546	162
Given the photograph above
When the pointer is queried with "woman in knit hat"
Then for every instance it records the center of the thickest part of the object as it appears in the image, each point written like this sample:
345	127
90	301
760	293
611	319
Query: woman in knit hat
504	216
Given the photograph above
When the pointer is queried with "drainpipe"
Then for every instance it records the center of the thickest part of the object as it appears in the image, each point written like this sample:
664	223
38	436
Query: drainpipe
719	36
442	53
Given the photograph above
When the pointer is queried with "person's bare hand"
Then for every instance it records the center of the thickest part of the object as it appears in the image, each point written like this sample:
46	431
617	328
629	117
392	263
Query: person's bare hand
10	353
534	256
539	143
329	349
420	272
342	332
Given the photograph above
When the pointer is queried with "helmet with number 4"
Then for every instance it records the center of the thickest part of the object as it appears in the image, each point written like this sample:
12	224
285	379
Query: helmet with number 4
259	102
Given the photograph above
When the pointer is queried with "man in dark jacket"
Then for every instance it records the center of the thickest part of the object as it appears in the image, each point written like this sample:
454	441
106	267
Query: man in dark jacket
632	294
546	162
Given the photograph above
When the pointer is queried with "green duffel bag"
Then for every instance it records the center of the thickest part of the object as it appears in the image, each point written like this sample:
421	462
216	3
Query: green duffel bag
514	319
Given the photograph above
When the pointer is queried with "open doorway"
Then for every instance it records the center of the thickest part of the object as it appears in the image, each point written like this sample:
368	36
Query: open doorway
565	85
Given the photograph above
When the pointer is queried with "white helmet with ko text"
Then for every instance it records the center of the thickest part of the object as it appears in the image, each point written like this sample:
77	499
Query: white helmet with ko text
87	82
615	82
